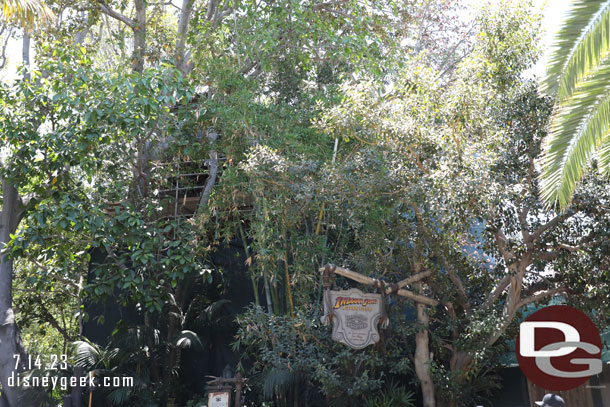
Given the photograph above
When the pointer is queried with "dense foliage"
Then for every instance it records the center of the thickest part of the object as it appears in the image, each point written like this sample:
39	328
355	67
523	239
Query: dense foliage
175	181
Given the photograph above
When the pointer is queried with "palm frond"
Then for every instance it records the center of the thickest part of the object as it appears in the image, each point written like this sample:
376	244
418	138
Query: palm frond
26	13
133	337
577	126
87	354
587	55
188	339
578	19
603	157
569	148
119	396
281	383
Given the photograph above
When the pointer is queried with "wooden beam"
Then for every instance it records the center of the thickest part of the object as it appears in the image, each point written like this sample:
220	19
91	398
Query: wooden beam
350	274
414	278
371	281
418	298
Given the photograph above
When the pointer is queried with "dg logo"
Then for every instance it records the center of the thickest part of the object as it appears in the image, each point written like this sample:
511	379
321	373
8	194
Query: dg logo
559	348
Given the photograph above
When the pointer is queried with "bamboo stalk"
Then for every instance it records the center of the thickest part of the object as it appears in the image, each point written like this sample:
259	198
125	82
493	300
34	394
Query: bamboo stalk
321	214
247	251
288	289
287	274
267	292
276	299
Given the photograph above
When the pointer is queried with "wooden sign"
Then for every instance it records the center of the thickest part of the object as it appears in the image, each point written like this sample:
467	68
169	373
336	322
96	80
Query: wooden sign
355	316
218	399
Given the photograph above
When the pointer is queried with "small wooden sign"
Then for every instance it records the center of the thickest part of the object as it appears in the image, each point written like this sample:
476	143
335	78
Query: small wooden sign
218	399
355	316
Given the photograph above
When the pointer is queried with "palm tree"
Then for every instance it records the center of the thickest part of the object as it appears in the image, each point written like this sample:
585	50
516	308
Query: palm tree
25	13
578	76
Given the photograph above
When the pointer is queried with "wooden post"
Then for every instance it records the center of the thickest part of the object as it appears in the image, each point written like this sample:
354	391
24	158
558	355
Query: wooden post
223	384
90	391
238	388
77	391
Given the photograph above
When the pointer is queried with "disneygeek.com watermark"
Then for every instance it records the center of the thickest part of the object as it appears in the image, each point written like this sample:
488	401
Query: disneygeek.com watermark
66	383
57	363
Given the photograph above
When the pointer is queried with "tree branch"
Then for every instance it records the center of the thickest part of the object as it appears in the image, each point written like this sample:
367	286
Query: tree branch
502	243
538	297
118	16
48	317
495	294
116	259
58	278
213	166
455	279
327	4
551	224
183	22
556	251
521	210
3	52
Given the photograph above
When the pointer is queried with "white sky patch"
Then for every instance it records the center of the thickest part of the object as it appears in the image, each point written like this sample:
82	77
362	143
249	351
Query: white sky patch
14	57
554	14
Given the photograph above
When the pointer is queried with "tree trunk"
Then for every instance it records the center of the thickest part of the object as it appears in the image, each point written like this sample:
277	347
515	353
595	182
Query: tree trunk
10	343
25	54
139	37
183	23
460	364
422	353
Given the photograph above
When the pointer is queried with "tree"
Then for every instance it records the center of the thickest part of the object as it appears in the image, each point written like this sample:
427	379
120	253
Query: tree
125	126
578	79
436	177
403	98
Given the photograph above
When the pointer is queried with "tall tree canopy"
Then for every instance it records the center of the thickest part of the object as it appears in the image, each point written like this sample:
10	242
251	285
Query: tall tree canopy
183	162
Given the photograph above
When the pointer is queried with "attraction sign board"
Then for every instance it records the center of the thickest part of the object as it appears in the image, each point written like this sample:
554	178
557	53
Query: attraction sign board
355	316
218	399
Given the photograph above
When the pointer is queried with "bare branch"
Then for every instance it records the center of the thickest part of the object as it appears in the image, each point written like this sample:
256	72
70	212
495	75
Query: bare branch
118	16
116	259
3	57
495	294
418	298
523	211
218	17
540	296
417	161
212	5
